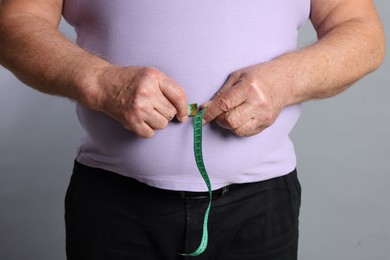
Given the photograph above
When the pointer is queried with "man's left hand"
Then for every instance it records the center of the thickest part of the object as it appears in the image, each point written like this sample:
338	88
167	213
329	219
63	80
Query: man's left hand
247	103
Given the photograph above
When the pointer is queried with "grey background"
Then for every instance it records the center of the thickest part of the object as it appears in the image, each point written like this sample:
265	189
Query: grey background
343	146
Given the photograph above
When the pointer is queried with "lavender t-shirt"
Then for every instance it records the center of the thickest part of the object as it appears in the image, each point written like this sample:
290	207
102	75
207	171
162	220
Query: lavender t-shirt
198	43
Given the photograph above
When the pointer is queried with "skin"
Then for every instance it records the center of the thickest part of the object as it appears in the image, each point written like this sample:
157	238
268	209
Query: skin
351	44
142	99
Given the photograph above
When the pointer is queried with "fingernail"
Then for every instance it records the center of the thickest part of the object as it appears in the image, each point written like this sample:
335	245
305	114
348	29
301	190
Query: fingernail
205	105
204	121
184	119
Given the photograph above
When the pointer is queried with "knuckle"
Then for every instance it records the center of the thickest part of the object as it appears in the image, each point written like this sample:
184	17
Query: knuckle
143	91
235	75
132	118
138	107
130	122
161	124
239	132
254	89
135	124
230	122
144	131
179	95
164	124
151	73
172	114
268	119
245	133
252	82
250	79
218	94
223	103
147	134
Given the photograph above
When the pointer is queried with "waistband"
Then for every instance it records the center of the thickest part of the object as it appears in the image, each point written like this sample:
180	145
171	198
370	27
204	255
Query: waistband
108	176
199	195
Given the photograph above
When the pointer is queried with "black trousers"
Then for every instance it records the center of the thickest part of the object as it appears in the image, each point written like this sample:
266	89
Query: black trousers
112	217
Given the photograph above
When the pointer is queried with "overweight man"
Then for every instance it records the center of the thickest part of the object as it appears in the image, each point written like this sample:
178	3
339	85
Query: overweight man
135	192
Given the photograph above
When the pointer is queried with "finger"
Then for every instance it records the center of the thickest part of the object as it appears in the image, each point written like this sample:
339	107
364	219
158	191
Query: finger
176	95
228	84
165	108
138	125
236	117
230	98
156	121
143	130
231	81
250	128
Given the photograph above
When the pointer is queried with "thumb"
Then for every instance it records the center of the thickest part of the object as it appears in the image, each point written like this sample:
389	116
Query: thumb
216	107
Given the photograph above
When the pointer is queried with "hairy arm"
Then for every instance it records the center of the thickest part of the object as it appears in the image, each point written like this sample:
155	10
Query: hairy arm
40	56
142	99
350	44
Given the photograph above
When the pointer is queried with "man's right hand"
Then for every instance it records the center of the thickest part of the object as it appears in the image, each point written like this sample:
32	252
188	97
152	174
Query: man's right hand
142	99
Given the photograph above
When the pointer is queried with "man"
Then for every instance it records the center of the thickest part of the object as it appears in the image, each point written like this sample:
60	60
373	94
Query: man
135	192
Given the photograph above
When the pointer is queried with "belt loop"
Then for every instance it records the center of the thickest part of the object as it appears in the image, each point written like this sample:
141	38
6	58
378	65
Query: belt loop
224	190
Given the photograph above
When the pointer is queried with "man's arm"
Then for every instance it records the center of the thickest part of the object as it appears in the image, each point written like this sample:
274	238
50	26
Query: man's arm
142	99
351	44
33	49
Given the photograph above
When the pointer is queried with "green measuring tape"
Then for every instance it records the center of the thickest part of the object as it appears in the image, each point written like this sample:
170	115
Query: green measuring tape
198	116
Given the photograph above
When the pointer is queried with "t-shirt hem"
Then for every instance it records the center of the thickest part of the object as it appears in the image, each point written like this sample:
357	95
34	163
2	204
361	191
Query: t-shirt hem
193	185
